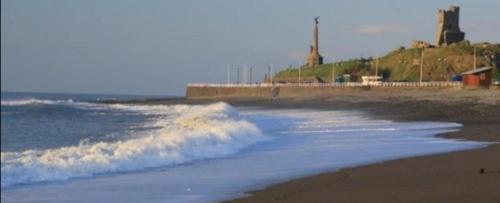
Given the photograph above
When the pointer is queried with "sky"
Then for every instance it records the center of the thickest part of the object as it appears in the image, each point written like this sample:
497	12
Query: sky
156	47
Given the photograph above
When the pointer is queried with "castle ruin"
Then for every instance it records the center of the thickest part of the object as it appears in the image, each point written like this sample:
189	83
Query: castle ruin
448	31
314	58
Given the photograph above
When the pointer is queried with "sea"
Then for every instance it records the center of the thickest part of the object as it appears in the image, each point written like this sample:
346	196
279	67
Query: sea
74	148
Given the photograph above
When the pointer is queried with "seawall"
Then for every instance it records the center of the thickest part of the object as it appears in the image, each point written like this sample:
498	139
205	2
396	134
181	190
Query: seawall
211	92
229	92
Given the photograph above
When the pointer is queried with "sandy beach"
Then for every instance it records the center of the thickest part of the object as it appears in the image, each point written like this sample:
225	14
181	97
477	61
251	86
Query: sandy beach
467	176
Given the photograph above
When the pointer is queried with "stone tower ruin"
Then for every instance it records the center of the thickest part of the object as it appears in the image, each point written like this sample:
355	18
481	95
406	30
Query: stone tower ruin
314	58
448	31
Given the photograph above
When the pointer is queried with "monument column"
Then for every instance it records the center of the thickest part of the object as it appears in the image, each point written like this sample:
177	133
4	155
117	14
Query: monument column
315	37
314	57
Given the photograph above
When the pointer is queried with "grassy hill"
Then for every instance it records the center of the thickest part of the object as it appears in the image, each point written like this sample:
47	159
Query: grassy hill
440	64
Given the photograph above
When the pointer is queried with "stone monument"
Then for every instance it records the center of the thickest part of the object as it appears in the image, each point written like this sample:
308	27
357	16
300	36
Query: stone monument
314	58
448	31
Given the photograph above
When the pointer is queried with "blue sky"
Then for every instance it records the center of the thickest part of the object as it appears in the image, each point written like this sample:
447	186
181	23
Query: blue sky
157	47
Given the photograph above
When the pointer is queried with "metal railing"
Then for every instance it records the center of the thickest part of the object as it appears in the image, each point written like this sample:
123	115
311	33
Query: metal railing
339	85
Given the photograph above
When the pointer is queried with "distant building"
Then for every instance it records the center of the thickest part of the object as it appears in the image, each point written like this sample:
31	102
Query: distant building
418	44
371	80
480	77
448	30
314	57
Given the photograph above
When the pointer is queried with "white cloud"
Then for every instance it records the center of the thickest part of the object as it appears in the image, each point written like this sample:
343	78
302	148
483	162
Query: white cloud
383	29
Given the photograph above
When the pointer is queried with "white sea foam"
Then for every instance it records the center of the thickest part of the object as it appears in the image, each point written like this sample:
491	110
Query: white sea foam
187	133
33	101
305	142
30	101
82	105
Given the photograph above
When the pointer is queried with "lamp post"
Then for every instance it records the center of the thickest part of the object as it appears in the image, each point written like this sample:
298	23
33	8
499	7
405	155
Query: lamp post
474	58
238	75
228	79
251	70
300	72
442	63
271	73
245	74
333	71
421	65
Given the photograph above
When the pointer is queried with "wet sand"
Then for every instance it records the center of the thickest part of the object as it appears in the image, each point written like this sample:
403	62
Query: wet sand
451	177
466	176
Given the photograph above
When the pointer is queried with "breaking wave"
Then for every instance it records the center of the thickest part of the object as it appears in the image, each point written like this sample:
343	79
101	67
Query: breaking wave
187	133
31	101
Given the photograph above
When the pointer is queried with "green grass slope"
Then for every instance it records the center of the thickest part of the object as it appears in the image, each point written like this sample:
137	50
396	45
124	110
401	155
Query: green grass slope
439	64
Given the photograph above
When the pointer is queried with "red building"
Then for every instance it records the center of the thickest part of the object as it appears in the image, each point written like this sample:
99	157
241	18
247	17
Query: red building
480	77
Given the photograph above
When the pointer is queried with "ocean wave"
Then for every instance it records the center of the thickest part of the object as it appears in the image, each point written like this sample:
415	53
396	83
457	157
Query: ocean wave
189	133
30	101
67	103
33	101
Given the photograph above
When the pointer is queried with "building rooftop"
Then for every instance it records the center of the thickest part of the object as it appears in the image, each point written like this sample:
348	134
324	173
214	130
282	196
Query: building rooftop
477	70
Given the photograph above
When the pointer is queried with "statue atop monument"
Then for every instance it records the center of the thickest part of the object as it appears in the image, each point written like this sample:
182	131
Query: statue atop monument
448	30
314	57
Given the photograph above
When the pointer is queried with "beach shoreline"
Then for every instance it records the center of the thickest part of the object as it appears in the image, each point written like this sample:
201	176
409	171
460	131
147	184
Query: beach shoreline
464	176
448	177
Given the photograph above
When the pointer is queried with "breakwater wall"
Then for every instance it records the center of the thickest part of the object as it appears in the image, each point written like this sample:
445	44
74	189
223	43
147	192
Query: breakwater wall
263	91
210	92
